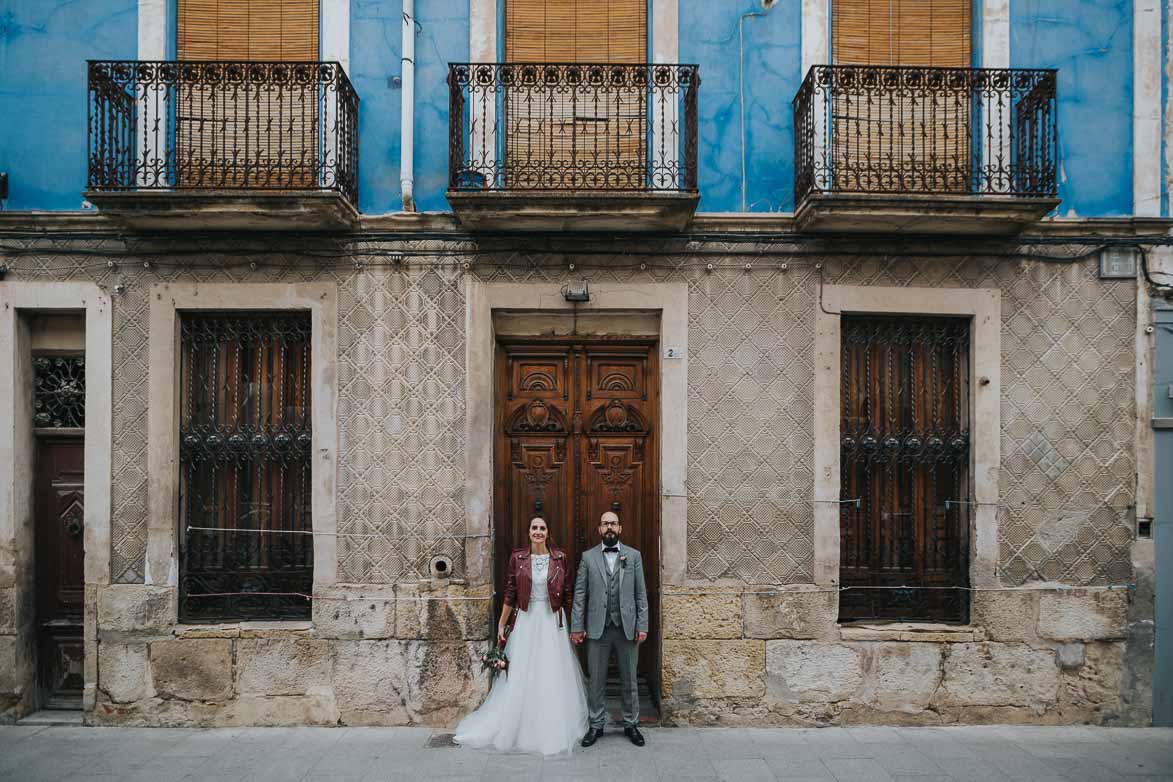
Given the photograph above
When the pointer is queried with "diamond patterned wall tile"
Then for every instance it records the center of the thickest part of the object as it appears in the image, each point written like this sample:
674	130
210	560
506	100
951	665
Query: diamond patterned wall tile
1068	417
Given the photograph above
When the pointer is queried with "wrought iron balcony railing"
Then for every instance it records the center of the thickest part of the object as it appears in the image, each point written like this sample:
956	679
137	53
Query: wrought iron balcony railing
235	126
898	129
581	126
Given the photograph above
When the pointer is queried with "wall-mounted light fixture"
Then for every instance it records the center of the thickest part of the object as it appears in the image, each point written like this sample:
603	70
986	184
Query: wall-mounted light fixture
576	291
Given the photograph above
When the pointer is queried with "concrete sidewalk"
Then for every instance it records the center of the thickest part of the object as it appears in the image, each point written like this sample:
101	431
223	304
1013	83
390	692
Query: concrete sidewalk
855	754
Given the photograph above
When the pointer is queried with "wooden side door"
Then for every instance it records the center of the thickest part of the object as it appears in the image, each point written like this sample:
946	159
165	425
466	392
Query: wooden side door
59	575
576	429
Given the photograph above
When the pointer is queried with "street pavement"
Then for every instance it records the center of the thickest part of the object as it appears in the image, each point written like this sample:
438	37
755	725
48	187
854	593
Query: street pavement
1031	754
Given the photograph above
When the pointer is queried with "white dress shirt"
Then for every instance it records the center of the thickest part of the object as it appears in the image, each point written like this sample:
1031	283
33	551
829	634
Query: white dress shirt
612	559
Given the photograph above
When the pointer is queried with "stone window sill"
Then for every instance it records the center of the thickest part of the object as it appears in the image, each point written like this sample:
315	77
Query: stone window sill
927	632
276	629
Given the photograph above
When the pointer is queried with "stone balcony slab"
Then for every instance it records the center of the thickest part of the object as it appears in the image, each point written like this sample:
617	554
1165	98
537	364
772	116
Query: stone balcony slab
572	210
286	211
914	213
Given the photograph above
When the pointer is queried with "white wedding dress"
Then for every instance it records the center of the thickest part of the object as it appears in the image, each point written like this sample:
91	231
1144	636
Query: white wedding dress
539	705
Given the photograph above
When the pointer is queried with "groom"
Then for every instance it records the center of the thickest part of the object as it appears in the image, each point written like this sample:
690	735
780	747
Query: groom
610	594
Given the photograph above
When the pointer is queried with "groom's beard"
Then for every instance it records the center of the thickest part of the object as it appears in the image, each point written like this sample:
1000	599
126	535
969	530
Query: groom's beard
610	539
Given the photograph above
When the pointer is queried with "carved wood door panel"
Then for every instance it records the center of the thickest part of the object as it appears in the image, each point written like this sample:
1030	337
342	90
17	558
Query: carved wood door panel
576	425
60	577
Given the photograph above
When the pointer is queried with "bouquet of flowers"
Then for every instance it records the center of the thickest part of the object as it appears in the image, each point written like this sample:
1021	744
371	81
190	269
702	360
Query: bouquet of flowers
495	659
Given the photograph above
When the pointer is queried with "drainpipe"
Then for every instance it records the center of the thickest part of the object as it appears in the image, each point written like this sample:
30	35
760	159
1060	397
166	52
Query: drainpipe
407	108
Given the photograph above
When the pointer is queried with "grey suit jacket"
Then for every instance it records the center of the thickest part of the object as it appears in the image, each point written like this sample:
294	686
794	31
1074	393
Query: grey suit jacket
589	613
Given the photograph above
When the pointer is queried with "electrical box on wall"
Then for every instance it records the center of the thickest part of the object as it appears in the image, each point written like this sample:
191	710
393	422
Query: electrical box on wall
1117	263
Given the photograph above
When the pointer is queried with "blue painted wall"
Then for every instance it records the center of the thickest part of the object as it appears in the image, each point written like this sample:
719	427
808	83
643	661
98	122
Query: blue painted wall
772	64
44	45
375	52
376	59
1090	42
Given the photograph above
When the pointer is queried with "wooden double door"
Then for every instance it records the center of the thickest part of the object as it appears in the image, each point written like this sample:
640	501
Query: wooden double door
576	436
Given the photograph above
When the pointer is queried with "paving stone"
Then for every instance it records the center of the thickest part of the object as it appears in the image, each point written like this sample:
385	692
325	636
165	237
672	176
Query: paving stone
982	754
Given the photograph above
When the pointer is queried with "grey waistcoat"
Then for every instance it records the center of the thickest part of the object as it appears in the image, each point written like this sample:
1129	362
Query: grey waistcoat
613	615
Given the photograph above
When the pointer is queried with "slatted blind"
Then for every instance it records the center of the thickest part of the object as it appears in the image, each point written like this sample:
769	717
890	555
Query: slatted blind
576	30
556	135
248	29
910	139
255	135
902	32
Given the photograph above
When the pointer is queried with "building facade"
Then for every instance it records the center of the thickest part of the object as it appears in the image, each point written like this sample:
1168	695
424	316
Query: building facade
848	311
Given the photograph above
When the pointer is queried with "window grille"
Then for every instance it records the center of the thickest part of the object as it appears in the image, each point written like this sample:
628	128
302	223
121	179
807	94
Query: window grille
905	468
59	392
245	441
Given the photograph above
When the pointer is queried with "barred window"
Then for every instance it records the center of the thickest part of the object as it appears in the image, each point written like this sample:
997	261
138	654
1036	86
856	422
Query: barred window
244	453
905	467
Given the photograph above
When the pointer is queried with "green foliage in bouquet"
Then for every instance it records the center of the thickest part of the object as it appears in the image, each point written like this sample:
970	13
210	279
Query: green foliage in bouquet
495	659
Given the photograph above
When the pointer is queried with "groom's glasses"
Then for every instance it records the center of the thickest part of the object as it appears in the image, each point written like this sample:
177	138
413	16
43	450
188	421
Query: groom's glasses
608	524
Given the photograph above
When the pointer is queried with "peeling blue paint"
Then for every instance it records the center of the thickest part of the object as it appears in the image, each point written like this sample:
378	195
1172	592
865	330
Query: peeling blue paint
773	60
44	45
375	60
1090	42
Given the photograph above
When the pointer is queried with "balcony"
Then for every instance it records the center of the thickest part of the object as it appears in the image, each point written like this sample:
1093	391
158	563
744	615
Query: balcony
583	147
223	145
893	149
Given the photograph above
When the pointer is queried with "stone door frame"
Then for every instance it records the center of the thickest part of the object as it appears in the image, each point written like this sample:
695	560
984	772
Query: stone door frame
16	448
667	301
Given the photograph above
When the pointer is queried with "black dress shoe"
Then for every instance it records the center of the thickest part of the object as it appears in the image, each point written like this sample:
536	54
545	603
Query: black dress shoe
592	735
636	737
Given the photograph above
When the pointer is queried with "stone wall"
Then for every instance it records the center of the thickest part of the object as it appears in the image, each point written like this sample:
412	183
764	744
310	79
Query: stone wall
748	637
406	655
779	658
1068	413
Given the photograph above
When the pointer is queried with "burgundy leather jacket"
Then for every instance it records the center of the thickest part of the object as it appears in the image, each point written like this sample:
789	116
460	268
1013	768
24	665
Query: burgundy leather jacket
519	582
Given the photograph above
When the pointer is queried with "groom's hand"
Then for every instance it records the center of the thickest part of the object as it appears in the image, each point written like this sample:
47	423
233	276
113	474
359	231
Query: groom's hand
641	637
577	638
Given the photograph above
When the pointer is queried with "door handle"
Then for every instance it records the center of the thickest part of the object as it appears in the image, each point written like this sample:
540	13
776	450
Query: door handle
73	527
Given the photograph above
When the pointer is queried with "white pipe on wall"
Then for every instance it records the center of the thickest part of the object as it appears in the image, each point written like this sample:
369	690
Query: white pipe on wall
407	108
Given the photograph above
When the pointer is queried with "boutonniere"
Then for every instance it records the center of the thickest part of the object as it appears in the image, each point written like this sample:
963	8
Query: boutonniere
623	560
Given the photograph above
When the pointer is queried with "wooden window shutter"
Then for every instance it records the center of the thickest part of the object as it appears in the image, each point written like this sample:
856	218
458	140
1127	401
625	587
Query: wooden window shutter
247	30
554	135
902	32
576	31
893	140
261	134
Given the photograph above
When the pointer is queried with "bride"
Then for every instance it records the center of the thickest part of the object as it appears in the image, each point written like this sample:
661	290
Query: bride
539	704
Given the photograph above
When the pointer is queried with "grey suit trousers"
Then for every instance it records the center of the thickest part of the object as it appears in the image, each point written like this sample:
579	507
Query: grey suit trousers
598	655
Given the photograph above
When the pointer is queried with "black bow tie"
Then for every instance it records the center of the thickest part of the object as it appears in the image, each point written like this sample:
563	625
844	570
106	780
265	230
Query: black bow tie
611	550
